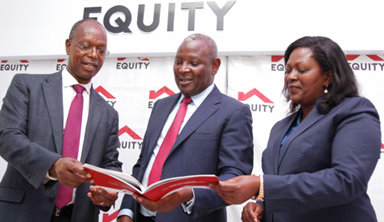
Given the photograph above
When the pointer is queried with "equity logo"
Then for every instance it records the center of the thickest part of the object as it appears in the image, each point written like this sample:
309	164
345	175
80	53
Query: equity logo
142	63
266	106
126	144
156	94
122	15
107	96
277	63
60	65
5	66
374	63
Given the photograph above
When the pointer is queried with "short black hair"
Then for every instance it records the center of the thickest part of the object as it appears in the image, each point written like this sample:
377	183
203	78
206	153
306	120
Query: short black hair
78	23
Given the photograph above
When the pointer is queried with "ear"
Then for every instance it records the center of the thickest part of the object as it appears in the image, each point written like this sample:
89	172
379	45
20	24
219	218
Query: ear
67	46
328	78
215	66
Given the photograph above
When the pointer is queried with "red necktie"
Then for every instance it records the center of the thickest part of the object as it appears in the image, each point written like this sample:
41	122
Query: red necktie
71	140
168	142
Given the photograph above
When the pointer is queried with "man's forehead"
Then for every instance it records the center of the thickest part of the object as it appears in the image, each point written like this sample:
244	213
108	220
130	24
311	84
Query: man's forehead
91	30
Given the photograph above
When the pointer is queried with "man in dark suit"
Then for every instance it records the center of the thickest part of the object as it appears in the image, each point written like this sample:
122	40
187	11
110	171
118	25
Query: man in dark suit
215	138
32	120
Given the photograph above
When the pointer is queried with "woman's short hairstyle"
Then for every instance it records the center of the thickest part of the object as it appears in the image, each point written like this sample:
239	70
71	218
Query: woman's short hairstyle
331	58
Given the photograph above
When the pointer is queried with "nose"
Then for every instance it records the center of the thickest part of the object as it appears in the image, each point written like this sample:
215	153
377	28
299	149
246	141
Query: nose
292	76
184	68
92	53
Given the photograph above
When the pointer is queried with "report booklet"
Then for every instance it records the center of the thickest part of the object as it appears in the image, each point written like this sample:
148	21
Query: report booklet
120	182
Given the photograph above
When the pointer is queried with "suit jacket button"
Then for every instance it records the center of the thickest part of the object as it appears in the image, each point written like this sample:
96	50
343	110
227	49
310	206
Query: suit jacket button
51	197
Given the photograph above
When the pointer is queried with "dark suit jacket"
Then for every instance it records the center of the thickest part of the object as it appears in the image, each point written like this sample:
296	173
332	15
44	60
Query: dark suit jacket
31	138
217	139
323	168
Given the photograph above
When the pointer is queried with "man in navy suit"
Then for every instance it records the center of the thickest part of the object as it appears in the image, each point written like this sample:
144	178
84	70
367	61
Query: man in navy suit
32	122
215	138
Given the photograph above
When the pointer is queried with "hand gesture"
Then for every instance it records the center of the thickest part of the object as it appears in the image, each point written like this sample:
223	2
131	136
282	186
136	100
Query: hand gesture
102	197
238	189
167	203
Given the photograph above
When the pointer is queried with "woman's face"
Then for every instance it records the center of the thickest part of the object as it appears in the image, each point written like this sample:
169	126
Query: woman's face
304	78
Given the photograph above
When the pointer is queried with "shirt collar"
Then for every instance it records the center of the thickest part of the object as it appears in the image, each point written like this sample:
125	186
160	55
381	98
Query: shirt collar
199	98
69	80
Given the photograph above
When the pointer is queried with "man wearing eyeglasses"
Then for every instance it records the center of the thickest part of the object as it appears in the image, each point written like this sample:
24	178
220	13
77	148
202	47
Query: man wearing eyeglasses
49	126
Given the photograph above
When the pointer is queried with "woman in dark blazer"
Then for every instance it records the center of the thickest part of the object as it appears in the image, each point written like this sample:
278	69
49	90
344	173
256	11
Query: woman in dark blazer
319	158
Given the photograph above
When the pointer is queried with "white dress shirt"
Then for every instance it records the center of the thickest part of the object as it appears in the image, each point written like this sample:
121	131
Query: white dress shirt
69	94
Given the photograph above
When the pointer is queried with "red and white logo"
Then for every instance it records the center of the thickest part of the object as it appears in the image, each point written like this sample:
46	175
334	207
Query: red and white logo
125	144
254	92
6	66
130	132
164	90
360	62
60	65
277	63
161	93
266	106
141	63
106	95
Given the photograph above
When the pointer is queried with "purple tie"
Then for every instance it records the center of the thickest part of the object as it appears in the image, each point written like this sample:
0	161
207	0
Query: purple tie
168	142
71	140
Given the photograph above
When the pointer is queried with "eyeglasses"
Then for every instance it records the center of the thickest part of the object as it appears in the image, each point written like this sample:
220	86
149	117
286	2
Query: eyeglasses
89	49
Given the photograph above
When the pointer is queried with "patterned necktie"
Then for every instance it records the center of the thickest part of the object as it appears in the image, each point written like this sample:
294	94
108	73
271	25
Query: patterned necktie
71	140
168	142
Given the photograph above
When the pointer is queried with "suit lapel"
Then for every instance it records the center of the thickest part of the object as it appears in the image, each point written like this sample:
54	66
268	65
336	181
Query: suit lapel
52	90
312	118
284	128
205	111
94	117
163	109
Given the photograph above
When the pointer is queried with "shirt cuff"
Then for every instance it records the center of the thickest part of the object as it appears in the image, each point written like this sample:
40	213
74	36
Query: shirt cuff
47	178
125	212
188	209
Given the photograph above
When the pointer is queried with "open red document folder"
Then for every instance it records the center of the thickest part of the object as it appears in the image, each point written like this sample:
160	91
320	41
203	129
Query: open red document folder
120	182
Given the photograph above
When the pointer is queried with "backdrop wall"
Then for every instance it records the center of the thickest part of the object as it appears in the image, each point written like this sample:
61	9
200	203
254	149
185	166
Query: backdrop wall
251	40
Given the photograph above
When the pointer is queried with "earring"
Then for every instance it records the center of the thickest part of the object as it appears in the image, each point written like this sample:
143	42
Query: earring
326	90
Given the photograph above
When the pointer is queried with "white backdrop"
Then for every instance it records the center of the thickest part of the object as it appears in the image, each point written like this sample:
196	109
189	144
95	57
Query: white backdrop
139	69
253	80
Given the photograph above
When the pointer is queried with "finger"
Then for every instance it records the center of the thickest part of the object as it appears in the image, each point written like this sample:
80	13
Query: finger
72	180
78	169
108	195
143	201
91	197
259	210
111	195
227	186
100	200
245	217
214	186
252	215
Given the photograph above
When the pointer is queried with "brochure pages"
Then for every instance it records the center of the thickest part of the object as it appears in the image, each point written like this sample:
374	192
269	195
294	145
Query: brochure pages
120	182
